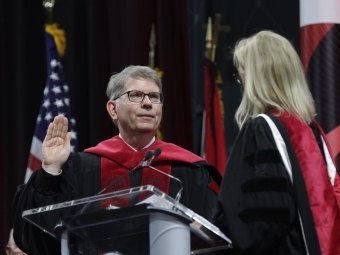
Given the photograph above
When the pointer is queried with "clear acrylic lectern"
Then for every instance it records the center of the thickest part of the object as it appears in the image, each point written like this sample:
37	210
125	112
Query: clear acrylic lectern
141	220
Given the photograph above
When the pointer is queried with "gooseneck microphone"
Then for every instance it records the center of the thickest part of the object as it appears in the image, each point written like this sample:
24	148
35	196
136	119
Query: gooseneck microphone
144	162
147	163
147	156
155	154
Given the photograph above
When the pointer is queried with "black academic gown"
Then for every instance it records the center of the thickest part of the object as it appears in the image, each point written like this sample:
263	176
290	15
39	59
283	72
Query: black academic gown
257	206
81	178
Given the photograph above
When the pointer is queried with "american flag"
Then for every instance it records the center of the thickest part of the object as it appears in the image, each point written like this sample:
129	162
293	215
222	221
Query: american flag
55	101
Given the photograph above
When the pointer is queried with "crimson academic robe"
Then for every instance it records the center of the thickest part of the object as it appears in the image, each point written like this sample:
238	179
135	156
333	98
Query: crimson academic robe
83	175
262	210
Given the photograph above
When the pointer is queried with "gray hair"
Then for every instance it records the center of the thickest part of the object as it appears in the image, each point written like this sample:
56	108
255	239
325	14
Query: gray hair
117	81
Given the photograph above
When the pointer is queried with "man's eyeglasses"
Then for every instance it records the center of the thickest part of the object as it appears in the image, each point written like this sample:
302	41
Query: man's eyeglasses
238	78
137	96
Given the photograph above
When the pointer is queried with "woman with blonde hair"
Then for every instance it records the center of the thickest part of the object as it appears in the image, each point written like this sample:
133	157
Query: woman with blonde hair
280	191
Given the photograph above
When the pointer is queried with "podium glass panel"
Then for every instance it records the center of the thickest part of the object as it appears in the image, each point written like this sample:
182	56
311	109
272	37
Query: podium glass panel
119	222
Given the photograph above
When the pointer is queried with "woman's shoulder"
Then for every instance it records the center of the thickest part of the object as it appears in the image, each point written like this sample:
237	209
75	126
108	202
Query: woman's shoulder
257	122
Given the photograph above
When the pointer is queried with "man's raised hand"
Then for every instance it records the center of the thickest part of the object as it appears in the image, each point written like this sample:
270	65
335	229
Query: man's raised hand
56	147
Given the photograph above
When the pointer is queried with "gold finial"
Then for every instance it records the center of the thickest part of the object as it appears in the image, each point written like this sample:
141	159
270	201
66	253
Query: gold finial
152	44
212	35
49	5
217	28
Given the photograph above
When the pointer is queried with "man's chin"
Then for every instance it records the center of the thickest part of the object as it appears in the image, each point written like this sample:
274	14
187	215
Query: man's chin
147	129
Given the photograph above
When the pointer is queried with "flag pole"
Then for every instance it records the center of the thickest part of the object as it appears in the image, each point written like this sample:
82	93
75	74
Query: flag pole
213	146
208	39
49	5
152	44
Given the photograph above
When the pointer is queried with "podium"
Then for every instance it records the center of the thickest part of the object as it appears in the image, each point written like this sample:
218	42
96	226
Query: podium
140	220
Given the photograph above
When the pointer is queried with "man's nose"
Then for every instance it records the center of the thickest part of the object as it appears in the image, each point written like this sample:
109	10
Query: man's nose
146	100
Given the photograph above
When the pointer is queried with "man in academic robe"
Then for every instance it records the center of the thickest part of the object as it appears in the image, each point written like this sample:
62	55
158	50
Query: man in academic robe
135	106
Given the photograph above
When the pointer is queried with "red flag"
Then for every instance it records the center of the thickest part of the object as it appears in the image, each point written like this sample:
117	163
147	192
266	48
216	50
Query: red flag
213	140
320	55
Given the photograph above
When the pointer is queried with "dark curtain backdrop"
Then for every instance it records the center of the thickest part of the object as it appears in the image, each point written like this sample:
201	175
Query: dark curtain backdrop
244	17
102	38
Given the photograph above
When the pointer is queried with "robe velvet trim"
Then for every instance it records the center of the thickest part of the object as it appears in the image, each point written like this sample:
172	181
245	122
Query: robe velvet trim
322	198
117	158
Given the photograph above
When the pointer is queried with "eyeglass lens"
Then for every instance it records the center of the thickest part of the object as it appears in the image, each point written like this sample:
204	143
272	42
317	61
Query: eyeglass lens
138	96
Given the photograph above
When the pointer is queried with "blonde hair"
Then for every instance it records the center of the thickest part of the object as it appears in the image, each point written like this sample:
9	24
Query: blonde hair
273	78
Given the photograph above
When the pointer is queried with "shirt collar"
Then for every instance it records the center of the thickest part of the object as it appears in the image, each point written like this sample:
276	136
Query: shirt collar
146	146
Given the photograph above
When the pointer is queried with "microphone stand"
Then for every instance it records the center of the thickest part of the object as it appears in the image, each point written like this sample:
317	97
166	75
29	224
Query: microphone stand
156	153
179	193
147	155
141	164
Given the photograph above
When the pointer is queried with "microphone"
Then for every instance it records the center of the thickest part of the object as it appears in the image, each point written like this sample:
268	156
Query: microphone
144	162
155	154
147	156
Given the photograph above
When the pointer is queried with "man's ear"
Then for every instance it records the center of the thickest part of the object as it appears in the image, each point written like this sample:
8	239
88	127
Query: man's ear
111	109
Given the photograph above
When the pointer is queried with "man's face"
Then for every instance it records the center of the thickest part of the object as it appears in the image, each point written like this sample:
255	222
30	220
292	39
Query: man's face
138	118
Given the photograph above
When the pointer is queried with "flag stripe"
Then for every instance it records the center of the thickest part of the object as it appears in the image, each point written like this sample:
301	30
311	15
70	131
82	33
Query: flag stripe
33	162
29	172
36	148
